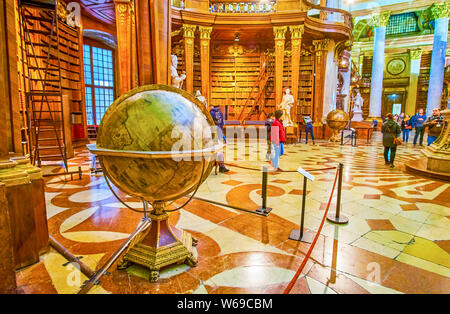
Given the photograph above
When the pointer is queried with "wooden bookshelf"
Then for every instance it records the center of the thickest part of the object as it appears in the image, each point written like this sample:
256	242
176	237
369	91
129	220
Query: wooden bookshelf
305	86
232	80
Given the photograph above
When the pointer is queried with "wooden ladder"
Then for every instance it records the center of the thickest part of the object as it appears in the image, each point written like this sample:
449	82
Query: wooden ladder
258	90
42	71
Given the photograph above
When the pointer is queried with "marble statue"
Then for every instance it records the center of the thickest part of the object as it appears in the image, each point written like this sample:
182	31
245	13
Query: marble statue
177	80
286	104
358	102
202	98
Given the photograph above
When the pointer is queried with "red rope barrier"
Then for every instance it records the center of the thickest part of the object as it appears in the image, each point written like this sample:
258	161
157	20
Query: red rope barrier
300	269
254	169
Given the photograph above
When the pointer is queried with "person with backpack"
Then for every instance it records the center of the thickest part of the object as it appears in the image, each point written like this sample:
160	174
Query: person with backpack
278	138
309	128
217	117
391	131
406	128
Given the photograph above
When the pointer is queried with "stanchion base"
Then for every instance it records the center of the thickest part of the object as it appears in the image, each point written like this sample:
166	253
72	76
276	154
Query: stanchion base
265	211
341	220
307	237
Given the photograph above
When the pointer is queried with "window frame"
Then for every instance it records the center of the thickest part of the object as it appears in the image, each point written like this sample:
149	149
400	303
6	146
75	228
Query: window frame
93	43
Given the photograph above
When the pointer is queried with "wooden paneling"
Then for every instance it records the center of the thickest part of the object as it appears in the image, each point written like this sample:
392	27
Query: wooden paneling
7	267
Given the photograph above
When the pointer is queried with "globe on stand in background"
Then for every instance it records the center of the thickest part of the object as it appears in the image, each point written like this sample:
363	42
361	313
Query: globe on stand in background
337	120
157	143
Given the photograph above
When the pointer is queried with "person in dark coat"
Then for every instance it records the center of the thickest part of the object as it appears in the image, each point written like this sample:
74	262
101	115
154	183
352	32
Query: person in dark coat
390	130
217	117
417	123
434	125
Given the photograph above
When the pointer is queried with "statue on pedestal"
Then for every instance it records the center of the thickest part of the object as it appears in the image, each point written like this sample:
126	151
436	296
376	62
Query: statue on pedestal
358	102
286	104
177	80
202	98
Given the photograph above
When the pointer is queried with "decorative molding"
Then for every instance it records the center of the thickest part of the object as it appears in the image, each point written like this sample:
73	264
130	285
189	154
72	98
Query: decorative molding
415	54
321	44
381	19
280	32
297	31
440	10
189	30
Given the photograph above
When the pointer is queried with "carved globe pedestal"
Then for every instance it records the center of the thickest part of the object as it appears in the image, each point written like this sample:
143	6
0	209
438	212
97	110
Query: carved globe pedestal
337	120
437	161
157	143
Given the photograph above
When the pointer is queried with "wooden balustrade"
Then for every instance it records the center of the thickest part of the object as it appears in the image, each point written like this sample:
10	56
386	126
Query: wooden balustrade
324	11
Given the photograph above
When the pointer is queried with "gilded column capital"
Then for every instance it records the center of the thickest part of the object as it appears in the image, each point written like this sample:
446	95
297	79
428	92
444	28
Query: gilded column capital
321	44
189	30
205	32
381	19
440	10
280	32
415	54
297	31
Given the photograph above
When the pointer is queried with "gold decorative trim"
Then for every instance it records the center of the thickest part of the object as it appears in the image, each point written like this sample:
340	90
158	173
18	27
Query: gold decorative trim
415	54
440	10
297	31
381	19
280	32
189	30
205	32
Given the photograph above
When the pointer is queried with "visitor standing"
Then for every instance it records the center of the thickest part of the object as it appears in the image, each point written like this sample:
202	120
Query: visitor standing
217	117
268	124
417	122
434	125
308	128
391	131
277	136
406	128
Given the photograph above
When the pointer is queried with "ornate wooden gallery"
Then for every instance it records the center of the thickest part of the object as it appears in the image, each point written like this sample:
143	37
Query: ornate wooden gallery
244	56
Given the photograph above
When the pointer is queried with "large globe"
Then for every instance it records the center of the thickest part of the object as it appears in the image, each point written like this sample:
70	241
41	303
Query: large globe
157	143
337	119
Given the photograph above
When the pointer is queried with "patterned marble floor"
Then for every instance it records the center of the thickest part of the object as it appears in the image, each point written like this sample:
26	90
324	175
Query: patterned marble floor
397	239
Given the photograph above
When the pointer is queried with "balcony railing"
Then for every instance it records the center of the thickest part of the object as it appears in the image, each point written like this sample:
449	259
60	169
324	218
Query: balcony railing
242	7
329	14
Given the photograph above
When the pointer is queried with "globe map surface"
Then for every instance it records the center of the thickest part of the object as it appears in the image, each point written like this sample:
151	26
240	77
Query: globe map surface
146	130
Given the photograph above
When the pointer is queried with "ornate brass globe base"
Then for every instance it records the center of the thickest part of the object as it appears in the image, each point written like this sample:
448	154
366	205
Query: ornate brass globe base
335	137
160	245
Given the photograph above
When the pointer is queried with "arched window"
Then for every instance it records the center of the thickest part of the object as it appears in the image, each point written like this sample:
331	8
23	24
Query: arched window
98	80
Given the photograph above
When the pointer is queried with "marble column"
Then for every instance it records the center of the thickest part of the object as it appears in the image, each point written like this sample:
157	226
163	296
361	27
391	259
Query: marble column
376	86
189	36
205	40
296	46
279	32
320	49
440	14
415	57
153	29
347	76
126	45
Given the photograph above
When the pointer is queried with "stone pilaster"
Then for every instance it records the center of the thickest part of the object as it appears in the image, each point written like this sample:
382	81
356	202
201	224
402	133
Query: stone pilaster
205	41
279	32
189	36
415	57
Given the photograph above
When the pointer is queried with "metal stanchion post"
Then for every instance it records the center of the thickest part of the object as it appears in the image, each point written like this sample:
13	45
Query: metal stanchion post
264	209
342	137
302	235
337	217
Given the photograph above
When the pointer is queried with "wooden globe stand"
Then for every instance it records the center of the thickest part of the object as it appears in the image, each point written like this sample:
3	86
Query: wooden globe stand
160	245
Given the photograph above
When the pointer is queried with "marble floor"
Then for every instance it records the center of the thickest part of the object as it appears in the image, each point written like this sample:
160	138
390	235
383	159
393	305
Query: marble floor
397	239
